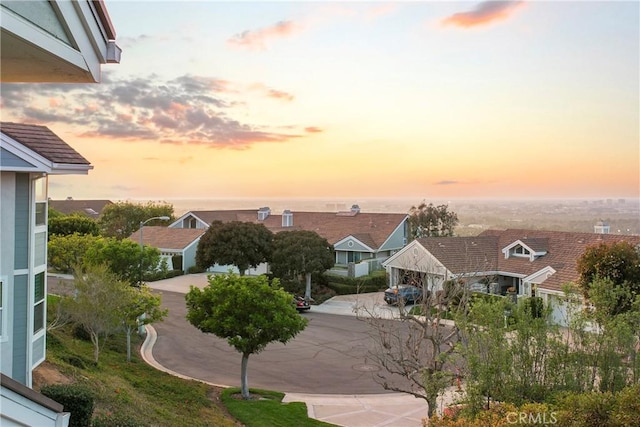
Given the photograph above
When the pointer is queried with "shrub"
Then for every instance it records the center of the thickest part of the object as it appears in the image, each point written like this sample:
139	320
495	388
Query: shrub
76	399
81	333
176	262
194	269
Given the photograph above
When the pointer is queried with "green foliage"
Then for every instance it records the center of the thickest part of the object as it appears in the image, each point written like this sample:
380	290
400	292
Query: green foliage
248	312
241	244
134	393
120	220
431	221
298	252
139	306
64	252
343	285
619	264
586	409
69	224
269	411
124	258
77	400
96	305
176	262
116	420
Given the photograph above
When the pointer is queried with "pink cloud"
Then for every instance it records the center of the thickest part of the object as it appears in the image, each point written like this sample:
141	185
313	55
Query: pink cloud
313	129
484	13
257	39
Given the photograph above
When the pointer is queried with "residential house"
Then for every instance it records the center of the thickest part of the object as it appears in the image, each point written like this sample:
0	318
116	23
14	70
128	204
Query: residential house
40	41
361	240
529	262
172	242
91	208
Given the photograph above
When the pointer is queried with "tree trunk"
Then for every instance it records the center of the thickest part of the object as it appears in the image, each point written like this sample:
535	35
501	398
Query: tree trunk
95	339
244	384
432	402
307	292
128	343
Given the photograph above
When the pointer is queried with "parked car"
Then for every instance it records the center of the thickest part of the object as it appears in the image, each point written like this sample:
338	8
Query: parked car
301	303
406	294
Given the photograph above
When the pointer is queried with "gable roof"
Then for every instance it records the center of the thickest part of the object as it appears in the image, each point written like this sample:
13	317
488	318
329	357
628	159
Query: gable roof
92	208
43	141
372	229
167	238
563	249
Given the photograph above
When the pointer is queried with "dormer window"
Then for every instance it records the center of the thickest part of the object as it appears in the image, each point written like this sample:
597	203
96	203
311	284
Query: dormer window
520	251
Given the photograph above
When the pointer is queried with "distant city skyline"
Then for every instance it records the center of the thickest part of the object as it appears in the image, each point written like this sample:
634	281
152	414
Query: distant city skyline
435	100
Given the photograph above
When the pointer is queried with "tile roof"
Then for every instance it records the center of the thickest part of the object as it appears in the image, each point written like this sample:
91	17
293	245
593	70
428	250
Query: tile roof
167	238
92	208
44	142
563	249
372	229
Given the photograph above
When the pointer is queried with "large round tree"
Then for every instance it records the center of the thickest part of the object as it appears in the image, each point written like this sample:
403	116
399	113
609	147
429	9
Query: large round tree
301	253
248	312
241	244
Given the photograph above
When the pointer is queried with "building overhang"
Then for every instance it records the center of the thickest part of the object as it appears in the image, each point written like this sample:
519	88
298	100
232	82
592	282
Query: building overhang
67	44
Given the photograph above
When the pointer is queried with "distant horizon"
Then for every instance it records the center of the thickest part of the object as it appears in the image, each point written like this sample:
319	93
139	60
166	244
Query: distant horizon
349	100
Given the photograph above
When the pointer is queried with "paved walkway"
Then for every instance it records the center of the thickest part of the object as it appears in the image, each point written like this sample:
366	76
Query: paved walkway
376	410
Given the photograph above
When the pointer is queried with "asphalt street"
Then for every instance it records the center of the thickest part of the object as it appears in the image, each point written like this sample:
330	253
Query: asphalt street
329	356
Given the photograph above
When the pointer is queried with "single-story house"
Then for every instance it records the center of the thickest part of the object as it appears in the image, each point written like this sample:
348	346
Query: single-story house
172	242
361	240
531	262
91	208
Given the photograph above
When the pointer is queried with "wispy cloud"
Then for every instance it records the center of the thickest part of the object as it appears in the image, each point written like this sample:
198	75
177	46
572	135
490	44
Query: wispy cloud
484	13
313	129
447	182
184	110
257	39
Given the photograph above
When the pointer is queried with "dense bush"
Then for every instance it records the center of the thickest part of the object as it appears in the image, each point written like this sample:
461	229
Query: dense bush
162	274
194	269
77	400
343	285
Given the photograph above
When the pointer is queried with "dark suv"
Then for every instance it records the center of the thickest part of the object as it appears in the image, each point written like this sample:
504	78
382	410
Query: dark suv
406	294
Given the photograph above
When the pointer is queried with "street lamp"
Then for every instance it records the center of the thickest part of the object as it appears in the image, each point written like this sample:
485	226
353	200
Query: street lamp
142	223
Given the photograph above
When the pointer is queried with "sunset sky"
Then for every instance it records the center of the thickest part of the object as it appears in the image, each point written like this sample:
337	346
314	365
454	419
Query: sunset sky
319	99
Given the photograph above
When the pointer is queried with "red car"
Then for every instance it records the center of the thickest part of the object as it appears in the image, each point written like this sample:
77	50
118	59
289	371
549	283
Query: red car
300	303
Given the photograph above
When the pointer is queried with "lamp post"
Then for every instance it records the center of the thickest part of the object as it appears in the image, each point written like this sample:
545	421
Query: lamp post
142	223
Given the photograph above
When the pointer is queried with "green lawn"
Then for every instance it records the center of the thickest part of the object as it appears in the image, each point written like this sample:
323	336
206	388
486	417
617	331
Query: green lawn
136	394
267	410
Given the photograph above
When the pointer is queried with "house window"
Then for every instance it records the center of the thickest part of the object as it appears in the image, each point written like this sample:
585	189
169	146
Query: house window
40	189
520	251
38	303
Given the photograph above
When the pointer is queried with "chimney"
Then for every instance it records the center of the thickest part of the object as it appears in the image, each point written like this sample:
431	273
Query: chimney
263	213
287	218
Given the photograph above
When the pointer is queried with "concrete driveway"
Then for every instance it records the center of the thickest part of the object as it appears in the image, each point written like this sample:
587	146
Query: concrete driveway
345	409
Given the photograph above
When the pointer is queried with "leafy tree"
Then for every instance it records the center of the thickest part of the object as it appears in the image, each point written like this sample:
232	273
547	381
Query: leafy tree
66	251
96	305
301	253
120	220
124	258
69	224
241	244
431	221
248	312
140	307
619	263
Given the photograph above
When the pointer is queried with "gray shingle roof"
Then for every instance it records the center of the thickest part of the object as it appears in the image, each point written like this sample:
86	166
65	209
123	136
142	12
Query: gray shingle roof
43	141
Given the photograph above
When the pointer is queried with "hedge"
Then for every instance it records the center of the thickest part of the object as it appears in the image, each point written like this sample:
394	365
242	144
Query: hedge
76	399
